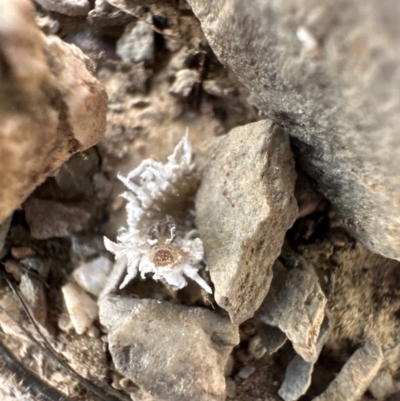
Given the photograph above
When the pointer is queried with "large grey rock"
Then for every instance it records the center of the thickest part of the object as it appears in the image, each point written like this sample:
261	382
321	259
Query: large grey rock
355	376
329	72
172	352
296	304
244	206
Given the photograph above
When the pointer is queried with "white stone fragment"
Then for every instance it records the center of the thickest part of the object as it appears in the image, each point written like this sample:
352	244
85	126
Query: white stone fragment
306	38
82	309
92	276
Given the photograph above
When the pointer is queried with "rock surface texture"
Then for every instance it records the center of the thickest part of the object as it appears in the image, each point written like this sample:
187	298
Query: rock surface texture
328	72
244	207
186	363
296	304
51	104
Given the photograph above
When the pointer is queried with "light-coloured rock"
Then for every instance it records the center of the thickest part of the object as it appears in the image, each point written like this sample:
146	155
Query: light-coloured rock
296	304
184	82
329	73
73	8
92	276
82	309
186	363
137	43
244	206
355	376
51	104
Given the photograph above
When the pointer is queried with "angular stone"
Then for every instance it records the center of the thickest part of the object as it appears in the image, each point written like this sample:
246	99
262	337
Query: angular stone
298	373
244	206
355	376
329	73
296	304
51	104
186	363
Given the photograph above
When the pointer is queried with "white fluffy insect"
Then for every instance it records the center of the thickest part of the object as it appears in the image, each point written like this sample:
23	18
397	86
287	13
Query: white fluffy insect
158	239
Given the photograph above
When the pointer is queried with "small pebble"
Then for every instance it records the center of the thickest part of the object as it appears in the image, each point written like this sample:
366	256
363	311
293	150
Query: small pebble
246	372
92	276
82	309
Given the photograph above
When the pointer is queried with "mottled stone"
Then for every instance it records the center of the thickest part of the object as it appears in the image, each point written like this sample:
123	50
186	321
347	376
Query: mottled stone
51	104
296	304
329	73
186	363
244	206
355	376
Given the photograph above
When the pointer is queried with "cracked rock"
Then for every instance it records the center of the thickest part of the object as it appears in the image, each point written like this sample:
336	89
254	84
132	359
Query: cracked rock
329	73
296	304
244	207
51	104
186	364
355	376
